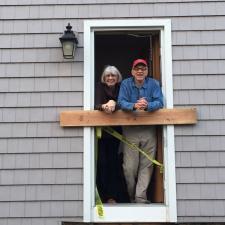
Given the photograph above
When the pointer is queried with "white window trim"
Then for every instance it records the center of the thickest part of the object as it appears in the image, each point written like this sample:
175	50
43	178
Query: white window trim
166	212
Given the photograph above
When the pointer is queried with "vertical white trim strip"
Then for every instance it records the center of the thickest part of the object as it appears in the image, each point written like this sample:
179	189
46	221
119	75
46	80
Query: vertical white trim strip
170	129
169	150
171	179
87	194
168	64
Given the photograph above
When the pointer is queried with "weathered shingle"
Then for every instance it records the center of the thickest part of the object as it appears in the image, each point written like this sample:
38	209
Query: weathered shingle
45	11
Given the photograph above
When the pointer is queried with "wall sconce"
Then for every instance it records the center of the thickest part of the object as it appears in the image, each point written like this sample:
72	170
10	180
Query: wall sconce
69	42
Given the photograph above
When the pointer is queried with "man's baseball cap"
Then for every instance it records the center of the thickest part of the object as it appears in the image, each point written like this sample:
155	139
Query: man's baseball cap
139	61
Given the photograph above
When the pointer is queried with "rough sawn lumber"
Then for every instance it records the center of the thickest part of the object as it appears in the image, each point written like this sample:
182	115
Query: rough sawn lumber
89	118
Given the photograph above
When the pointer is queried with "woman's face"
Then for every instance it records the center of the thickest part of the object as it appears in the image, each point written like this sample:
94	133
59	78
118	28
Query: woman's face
111	79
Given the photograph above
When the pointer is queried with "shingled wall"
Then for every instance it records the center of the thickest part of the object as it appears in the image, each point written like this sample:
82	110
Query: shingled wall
41	163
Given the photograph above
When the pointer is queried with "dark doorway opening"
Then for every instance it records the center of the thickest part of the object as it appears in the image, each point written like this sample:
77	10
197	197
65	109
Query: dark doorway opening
120	49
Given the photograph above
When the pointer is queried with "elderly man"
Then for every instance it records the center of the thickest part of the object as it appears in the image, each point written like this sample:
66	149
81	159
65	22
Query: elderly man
139	92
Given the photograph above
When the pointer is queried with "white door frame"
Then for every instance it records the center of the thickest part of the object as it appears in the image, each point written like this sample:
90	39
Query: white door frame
166	212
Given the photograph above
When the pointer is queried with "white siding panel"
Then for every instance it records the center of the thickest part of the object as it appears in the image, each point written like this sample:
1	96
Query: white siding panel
41	84
199	82
41	69
46	160
198	37
30	114
41	176
33	209
198	68
41	99
36	55
41	193
156	10
58	26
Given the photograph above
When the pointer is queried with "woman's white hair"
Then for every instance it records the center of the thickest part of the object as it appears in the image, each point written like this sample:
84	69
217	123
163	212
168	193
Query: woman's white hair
111	70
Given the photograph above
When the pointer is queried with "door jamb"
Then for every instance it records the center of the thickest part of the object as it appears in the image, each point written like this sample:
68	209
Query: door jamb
169	209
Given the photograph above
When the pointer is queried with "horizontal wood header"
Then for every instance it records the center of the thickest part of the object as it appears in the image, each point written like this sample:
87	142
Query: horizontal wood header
89	118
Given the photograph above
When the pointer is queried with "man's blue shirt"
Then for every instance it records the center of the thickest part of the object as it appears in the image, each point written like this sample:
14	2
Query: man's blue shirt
130	93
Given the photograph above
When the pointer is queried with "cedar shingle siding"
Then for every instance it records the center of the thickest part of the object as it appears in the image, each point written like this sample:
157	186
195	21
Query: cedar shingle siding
41	163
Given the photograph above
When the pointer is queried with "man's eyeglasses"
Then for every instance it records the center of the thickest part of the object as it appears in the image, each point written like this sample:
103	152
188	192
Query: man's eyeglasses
140	68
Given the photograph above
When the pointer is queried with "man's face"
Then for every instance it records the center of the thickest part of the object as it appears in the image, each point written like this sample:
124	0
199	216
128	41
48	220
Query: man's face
140	71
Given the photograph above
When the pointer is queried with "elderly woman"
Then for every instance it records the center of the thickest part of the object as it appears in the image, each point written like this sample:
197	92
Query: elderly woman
108	179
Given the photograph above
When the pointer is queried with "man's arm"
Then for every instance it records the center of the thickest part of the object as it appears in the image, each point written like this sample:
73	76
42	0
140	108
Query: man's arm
157	98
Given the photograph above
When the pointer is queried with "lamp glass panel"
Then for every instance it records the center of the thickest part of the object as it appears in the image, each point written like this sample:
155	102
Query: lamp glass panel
68	49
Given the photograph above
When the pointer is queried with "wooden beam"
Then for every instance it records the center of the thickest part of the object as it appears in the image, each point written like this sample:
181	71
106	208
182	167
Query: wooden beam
91	118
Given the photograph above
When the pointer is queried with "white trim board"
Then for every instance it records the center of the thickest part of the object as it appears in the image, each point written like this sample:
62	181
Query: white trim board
166	212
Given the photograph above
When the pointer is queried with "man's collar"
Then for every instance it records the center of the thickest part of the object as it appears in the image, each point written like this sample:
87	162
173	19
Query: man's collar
144	84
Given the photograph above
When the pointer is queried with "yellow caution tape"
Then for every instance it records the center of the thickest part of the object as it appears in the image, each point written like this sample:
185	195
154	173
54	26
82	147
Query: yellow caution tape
99	205
98	201
133	146
98	132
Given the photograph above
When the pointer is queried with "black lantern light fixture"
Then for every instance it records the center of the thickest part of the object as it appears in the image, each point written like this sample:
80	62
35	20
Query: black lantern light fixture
69	42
